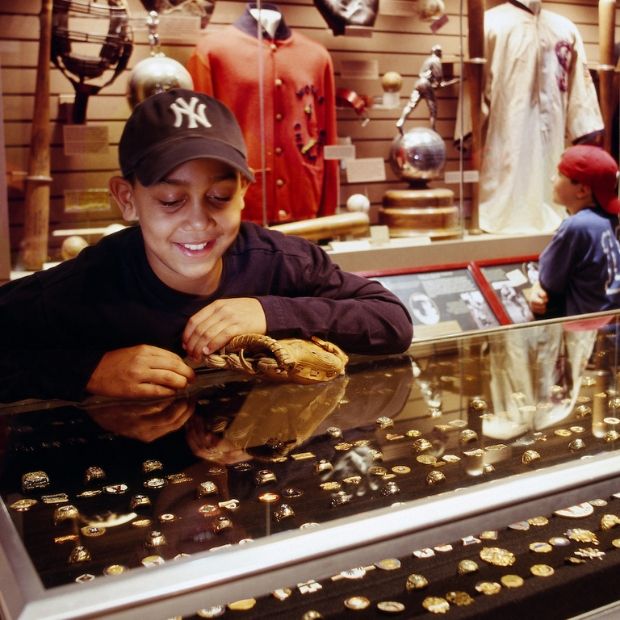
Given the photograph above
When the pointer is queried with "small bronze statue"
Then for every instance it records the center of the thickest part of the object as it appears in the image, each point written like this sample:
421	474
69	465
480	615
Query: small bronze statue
431	78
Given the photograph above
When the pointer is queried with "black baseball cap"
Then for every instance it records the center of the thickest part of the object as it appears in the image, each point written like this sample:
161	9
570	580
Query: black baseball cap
169	128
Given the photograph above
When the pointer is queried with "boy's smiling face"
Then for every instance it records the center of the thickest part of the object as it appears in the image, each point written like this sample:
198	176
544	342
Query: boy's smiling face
188	220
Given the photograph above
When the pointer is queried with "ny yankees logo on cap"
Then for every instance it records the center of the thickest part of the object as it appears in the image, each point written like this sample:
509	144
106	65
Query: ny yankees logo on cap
194	111
170	128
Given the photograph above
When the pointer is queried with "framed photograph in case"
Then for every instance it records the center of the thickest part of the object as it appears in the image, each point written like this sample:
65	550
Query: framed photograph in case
441	300
506	284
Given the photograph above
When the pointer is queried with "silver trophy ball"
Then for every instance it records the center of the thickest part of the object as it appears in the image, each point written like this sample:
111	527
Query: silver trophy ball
418	155
156	74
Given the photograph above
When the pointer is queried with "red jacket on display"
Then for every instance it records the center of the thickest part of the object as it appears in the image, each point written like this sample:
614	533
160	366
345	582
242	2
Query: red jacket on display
299	114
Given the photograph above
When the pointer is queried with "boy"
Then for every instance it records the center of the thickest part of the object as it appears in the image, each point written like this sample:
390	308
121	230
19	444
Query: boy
580	268
119	319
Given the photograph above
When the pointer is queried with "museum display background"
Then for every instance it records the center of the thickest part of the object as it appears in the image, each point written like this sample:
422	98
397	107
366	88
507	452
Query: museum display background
398	43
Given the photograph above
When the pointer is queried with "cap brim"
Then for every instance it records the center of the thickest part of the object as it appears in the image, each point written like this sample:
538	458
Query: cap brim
169	154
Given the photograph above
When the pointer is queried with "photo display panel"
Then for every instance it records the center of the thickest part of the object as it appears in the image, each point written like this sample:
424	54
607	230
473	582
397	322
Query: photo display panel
441	302
512	283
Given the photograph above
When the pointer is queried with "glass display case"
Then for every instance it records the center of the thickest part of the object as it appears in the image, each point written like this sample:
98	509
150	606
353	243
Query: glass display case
469	474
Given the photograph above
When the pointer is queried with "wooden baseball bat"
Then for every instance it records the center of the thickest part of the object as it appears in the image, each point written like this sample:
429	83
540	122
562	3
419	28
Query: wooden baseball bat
475	84
37	194
328	227
606	34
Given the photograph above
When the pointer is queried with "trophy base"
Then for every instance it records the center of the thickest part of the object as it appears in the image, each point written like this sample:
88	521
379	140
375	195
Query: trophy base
420	213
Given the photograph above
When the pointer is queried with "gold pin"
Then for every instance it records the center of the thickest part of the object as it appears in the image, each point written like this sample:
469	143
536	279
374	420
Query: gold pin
436	604
542	570
459	598
512	581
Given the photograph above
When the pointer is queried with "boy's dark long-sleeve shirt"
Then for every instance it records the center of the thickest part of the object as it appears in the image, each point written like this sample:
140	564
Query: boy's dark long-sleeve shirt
57	324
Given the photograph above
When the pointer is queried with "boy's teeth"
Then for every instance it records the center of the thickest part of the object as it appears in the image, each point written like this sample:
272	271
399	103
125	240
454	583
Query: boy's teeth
195	246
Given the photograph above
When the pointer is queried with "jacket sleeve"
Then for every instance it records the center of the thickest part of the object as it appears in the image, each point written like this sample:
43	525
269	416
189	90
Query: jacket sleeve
34	362
358	314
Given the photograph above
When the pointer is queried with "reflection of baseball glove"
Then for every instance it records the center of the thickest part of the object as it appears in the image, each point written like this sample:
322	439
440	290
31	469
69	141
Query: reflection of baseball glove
290	359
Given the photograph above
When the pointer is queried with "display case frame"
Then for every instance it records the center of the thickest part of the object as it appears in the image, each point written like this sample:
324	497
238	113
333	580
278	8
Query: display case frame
241	571
265	565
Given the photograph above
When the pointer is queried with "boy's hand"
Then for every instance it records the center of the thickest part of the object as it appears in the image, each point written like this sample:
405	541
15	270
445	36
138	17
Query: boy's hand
143	371
213	326
538	299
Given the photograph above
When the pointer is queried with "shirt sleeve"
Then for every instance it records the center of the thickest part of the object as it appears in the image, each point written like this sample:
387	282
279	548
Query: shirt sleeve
358	314
33	361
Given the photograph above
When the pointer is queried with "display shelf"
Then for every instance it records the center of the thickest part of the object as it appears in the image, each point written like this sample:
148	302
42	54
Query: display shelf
256	487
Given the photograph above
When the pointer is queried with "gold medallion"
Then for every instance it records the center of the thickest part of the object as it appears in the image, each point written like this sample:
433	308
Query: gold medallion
416	582
33	480
512	581
22	505
243	604
488	587
352	480
282	593
412	433
529	456
421	445
302	456
376	470
459	598
436	604
497	556
343	446
542	570
215	611
92	531
331	485
114	569
55	498
450	458
489	535
356	602
538	521
68	512
435	477
79	554
582	536
152	560
541	547
401	469
467	566
562	432
388	564
141	523
426	459
608	521
269	497
390	607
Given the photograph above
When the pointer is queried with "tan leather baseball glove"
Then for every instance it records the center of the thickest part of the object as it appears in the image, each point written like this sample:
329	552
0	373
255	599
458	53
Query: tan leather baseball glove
290	359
